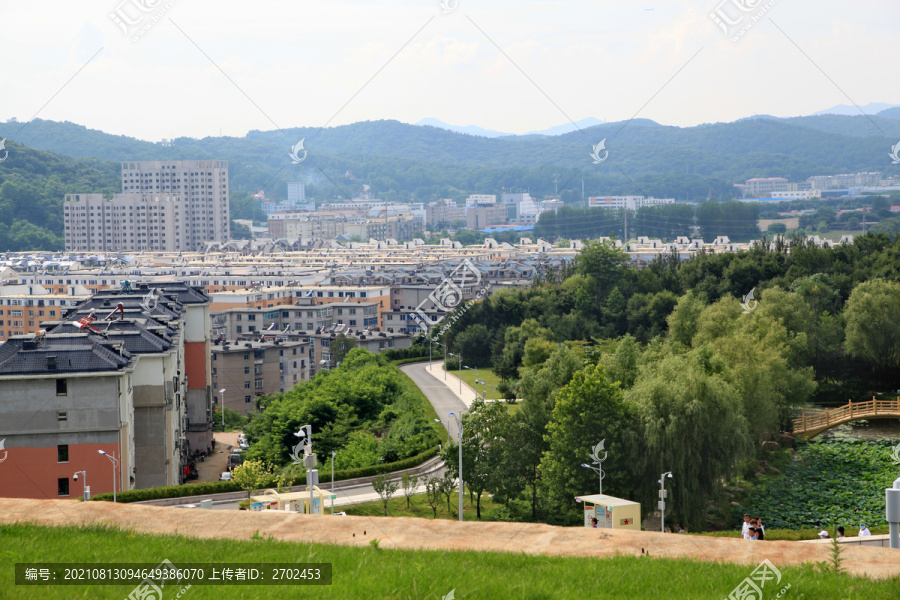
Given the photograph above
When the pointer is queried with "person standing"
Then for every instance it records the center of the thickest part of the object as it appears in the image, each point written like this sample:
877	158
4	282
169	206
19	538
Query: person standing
863	530
745	528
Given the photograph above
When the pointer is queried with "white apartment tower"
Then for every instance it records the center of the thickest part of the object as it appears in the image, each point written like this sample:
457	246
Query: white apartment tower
164	205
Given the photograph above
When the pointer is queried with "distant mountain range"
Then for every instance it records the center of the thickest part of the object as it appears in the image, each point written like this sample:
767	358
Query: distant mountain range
873	108
489	133
405	162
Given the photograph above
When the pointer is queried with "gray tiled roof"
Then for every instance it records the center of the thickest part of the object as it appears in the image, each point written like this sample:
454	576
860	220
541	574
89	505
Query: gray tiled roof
72	353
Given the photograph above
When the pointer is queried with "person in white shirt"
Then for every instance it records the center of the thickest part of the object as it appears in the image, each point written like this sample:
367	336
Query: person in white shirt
823	534
863	530
745	528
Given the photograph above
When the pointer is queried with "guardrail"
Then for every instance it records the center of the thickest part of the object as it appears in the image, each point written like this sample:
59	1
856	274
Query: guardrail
851	412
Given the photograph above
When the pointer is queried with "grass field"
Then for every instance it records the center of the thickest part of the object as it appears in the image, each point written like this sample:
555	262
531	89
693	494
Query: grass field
418	508
468	376
370	572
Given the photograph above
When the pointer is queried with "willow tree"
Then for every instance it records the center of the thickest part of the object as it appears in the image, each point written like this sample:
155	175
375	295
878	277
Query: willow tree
873	326
692	424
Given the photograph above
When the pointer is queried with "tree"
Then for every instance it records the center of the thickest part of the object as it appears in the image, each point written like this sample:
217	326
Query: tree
622	365
683	320
446	484
776	228
251	476
873	326
470	342
340	346
433	493
239	231
410	483
588	409
603	262
691	425
483	427
385	487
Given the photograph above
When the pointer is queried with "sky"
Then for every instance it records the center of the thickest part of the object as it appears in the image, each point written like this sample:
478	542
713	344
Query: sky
160	69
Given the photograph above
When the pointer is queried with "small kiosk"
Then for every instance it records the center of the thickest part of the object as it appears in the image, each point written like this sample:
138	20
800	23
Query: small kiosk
611	512
291	501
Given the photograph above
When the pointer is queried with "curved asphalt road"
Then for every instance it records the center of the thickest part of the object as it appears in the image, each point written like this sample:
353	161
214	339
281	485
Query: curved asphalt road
442	398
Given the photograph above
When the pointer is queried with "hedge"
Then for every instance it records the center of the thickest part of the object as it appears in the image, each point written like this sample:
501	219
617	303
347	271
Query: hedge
218	487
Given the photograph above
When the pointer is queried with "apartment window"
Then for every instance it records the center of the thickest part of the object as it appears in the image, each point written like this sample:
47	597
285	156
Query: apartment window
246	356
246	385
246	370
62	453
61	387
62	486
259	384
247	399
239	330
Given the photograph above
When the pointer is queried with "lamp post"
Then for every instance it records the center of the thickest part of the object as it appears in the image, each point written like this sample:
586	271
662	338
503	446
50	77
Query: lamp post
476	379
87	490
115	464
309	461
459	427
222	395
662	500
333	454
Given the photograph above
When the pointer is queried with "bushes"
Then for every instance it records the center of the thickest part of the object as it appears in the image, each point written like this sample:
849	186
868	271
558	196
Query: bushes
172	491
218	487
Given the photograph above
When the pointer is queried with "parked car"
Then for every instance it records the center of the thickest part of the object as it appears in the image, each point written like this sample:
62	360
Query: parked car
226	476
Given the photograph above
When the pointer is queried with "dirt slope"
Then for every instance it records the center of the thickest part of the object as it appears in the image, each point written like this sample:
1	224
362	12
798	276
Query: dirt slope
440	534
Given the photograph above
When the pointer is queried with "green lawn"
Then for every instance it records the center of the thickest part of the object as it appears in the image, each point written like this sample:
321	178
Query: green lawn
370	572
490	511
468	376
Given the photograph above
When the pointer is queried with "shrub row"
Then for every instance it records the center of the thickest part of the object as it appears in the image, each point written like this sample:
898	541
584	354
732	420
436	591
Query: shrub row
218	487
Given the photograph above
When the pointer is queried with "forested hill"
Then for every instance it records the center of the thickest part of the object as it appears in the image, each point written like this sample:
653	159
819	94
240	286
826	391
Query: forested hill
403	161
32	186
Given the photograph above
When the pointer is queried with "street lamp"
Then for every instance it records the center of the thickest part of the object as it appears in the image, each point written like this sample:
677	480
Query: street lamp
333	454
459	426
476	379
222	394
115	465
87	490
662	499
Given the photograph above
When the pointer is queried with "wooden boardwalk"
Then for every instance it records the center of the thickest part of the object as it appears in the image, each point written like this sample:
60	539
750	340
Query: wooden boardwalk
809	426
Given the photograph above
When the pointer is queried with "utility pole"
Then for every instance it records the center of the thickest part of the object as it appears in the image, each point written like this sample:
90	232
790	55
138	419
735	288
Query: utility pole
626	226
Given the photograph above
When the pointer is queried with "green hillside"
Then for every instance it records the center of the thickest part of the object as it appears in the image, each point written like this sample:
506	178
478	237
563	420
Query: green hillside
405	162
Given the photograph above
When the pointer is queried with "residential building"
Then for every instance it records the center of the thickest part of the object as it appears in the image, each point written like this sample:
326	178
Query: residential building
481	200
125	372
444	213
483	216
245	370
626	202
163	206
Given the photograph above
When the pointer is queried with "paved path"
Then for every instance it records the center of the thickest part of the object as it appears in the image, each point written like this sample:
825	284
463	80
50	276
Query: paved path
444	399
214	465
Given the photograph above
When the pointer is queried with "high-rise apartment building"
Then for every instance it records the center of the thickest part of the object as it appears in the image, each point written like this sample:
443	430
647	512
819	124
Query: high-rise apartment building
164	205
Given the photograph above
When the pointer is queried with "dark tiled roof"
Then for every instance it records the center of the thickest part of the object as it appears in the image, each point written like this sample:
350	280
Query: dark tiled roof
71	353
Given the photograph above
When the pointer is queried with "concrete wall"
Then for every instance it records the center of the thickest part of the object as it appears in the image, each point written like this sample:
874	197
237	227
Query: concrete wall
98	409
